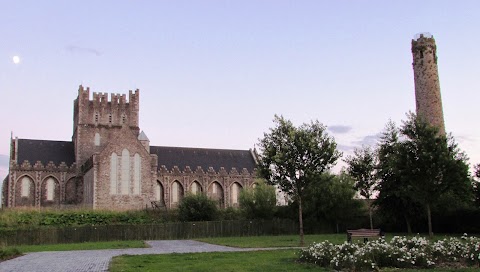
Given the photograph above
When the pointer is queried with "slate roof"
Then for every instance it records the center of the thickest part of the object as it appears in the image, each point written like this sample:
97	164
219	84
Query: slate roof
203	157
45	151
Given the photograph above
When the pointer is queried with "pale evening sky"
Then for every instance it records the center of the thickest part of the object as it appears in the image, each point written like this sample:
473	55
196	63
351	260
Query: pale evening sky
214	73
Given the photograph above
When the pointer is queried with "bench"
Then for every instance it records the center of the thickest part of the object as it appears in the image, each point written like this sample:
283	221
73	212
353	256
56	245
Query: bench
364	233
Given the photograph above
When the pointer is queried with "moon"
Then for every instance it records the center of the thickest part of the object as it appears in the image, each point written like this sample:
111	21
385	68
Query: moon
16	59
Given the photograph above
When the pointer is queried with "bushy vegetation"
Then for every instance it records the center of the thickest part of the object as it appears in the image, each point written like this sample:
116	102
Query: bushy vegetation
400	252
15	218
197	208
8	253
259	202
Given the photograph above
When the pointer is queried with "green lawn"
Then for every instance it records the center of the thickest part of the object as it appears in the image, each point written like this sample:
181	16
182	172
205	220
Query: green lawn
277	260
274	241
274	260
81	246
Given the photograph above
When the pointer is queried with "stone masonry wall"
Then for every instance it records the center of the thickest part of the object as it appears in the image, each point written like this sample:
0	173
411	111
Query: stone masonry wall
427	84
104	199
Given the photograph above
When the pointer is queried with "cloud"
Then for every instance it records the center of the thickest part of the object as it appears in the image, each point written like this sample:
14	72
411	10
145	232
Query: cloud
82	50
339	129
368	140
464	138
345	148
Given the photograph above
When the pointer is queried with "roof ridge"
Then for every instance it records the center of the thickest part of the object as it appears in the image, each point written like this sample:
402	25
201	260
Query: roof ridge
201	148
41	140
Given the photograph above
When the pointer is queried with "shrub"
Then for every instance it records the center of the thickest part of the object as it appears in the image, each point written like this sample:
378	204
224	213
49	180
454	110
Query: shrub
230	213
400	252
197	208
8	253
259	202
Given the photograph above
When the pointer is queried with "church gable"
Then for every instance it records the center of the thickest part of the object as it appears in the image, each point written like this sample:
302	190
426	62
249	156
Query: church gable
123	172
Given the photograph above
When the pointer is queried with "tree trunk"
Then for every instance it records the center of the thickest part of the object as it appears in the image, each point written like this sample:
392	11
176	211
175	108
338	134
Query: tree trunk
370	214
338	228
300	221
409	227
429	215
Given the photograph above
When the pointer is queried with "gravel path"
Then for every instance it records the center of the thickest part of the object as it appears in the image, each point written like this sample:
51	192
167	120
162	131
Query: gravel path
98	260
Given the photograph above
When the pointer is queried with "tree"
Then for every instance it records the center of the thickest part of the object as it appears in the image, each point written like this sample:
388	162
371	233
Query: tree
476	185
436	165
291	157
361	167
258	202
330	198
420	167
197	208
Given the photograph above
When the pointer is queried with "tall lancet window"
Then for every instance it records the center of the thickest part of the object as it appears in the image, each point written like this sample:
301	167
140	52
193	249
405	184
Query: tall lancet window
196	188
25	186
177	192
159	193
113	173
97	139
137	174
125	175
236	188
50	188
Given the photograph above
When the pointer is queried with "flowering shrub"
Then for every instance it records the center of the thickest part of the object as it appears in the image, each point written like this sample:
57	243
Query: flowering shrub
401	252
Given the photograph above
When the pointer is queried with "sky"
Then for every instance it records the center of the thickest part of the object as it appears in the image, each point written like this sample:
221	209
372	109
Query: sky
214	73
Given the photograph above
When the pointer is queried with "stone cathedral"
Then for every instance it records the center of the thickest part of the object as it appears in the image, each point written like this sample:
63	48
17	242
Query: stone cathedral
110	164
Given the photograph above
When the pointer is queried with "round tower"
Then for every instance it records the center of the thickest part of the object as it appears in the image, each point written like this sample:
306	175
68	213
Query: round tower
427	84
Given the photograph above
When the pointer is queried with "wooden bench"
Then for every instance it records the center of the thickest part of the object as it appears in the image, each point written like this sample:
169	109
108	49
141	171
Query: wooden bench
364	233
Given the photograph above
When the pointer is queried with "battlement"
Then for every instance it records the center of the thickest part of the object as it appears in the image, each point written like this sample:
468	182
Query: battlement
422	41
422	35
100	110
199	171
39	166
84	94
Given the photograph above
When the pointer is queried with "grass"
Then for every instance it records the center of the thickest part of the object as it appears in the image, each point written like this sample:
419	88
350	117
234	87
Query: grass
273	241
8	253
276	260
273	260
291	240
81	246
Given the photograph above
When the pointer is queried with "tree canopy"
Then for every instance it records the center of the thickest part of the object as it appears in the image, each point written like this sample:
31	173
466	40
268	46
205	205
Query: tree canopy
361	167
419	166
292	157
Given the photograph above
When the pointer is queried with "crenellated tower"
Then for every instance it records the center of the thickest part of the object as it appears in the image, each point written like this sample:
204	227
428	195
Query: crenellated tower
427	84
94	120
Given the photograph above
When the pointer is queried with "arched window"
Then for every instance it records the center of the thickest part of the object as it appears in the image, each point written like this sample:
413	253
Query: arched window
159	193
195	188
177	192
50	189
137	173
216	192
235	193
26	182
97	139
125	176
113	173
